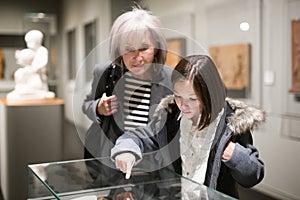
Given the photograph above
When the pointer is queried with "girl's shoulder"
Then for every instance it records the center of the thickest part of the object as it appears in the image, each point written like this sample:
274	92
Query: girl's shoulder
243	117
167	106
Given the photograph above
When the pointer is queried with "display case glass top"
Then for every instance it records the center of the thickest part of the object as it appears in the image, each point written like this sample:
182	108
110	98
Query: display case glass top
91	179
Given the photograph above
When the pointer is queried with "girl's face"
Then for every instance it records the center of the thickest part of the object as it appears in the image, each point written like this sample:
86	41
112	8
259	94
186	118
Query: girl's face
186	100
138	57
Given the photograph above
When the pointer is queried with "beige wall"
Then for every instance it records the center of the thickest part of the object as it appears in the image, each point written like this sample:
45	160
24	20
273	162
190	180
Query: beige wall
278	140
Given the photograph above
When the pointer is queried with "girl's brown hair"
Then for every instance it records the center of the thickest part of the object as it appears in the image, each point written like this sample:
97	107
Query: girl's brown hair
207	84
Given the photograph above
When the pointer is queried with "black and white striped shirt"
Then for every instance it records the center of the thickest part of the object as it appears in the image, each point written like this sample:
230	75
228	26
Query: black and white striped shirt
136	102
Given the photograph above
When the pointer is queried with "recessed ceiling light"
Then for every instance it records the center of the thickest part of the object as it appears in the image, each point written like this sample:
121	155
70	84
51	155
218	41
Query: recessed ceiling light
244	26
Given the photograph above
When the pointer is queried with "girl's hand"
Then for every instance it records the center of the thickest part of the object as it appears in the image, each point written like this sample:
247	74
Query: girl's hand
125	162
228	150
107	105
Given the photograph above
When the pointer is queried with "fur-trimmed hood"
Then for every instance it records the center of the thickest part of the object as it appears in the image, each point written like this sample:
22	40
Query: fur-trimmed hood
244	118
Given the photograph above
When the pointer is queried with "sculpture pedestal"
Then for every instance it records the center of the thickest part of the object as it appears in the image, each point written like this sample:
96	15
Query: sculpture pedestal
30	132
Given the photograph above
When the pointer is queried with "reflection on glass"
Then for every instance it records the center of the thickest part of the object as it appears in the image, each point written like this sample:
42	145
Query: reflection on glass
75	180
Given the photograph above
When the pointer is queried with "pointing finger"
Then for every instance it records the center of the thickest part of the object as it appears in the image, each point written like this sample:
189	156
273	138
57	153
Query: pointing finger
128	170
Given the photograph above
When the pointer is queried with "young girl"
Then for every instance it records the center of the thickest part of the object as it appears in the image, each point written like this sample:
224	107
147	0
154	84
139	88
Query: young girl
201	133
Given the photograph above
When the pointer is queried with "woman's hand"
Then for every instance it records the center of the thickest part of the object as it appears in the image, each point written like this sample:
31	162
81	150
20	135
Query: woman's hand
228	150
107	105
125	196
125	162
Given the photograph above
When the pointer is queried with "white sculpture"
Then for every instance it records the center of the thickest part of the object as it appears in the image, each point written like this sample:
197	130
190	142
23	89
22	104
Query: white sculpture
31	79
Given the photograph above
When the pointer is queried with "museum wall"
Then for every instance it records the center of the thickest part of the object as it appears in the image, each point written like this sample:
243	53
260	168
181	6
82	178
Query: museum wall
270	73
208	23
76	15
279	140
203	24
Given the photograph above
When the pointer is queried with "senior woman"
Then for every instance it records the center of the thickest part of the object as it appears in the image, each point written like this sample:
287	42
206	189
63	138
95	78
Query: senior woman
127	89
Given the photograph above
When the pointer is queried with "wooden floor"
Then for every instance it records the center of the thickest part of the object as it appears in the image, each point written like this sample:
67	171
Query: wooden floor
73	149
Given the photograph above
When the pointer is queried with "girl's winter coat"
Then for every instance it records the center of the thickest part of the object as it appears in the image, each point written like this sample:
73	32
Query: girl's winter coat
160	139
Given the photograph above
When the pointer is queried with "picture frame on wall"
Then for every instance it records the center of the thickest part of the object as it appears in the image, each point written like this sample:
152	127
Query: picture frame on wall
295	40
8	45
71	54
233	63
176	50
90	34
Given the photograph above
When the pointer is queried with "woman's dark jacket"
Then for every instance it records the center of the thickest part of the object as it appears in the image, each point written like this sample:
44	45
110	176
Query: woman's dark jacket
104	130
161	138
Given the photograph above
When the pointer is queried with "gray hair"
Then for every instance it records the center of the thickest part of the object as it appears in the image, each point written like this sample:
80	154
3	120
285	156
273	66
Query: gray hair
135	24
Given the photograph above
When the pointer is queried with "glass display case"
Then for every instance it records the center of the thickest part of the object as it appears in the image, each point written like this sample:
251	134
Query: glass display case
81	180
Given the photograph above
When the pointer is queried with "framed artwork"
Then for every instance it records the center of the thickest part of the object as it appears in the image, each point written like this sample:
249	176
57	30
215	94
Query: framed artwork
176	50
233	63
90	33
2	64
8	45
71	55
295	57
